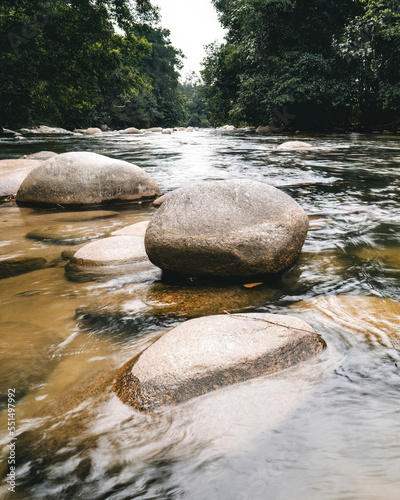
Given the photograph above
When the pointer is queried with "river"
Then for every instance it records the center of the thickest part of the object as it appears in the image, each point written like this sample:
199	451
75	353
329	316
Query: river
332	432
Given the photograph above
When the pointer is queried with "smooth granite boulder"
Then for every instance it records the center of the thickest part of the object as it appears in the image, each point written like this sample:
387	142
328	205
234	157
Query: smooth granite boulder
13	173
226	228
82	178
204	354
130	130
116	255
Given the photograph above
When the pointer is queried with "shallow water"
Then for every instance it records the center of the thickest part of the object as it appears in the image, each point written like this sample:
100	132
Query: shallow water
328	429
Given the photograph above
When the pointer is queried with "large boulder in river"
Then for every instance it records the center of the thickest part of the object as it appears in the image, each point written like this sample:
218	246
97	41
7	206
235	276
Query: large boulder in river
204	354
82	178
226	228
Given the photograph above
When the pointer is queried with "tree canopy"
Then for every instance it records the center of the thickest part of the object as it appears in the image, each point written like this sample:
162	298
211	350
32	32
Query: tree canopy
310	64
79	62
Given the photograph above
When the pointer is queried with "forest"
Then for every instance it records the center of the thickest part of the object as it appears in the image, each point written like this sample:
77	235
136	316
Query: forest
306	64
290	64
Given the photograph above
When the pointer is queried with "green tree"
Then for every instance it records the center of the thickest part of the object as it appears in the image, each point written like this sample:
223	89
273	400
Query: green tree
370	46
79	62
279	61
197	114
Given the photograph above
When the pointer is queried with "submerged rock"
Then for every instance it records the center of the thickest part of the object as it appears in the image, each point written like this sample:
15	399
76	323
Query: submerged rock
116	255
295	145
13	266
82	178
68	234
86	215
111	251
371	317
25	357
205	354
177	301
226	228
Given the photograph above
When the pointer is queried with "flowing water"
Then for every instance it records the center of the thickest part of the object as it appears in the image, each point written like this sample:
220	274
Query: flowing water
329	429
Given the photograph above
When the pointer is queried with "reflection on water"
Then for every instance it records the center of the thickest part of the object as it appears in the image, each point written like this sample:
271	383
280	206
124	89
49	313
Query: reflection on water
327	429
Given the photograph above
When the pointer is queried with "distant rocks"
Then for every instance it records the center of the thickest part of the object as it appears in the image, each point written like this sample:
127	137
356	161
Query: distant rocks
264	130
43	129
226	228
14	266
205	354
295	145
154	129
130	130
82	178
93	131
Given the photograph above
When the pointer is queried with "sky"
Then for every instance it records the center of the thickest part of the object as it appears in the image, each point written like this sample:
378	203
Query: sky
193	24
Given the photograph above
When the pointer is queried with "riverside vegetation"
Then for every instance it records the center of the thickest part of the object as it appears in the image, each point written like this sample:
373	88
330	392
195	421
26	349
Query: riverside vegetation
288	64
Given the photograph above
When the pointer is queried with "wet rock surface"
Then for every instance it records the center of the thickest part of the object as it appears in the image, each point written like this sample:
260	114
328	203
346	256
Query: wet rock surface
226	228
177	301
13	173
13	266
82	178
374	318
87	215
67	234
204	354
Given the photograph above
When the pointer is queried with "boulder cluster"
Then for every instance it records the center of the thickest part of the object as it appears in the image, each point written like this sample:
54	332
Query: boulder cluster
234	231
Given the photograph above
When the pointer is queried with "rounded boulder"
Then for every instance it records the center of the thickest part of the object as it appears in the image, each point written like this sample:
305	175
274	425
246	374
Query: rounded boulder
226	228
82	178
204	354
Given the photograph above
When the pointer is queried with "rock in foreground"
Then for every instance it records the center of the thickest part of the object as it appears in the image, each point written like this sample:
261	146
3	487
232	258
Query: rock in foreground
226	228
208	353
82	178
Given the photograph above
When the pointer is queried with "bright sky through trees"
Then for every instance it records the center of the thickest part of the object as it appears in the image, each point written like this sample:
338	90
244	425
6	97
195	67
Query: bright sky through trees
193	24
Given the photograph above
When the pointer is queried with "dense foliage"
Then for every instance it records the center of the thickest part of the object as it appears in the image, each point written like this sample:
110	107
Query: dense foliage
84	62
309	64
